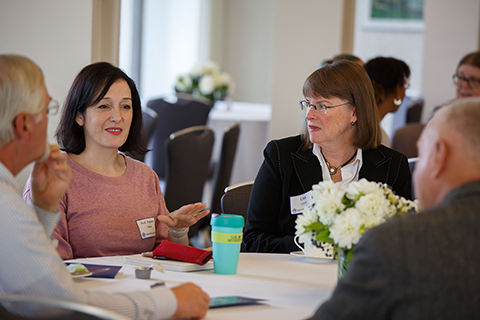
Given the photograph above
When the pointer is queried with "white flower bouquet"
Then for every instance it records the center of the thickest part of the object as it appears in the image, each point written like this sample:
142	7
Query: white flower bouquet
206	80
341	216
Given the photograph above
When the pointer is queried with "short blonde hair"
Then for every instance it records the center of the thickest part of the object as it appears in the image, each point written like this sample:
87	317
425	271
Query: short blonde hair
21	90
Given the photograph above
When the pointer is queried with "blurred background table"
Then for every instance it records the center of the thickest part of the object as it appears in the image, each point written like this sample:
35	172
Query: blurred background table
254	121
292	286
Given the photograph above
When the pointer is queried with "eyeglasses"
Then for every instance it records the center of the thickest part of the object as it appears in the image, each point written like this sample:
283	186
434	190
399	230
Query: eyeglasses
53	107
305	105
472	82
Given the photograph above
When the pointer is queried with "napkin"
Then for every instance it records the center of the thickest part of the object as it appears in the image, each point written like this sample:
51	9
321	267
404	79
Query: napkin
175	251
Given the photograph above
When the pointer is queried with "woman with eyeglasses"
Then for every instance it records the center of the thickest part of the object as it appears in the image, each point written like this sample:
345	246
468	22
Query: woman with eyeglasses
390	78
114	205
467	77
340	142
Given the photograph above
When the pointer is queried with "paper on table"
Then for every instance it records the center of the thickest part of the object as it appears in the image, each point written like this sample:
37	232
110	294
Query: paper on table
171	265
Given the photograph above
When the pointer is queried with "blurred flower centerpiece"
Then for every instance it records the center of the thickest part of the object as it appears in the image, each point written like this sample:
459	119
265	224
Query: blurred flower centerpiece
341	216
207	81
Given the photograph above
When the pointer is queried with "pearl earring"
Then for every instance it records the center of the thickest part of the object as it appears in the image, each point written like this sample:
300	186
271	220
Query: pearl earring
397	102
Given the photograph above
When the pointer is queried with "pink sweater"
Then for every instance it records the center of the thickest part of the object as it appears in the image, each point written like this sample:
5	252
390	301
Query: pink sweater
100	214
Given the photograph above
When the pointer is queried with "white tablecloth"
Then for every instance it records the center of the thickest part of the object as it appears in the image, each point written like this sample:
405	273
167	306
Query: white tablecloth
292	286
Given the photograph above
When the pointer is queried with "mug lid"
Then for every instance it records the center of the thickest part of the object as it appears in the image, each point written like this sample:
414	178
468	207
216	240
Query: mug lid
228	220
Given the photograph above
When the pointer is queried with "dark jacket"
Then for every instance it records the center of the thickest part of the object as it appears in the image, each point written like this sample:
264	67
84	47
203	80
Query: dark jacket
419	266
288	171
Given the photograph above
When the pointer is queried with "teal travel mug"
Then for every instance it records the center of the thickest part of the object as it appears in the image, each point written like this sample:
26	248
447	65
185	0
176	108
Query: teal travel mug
227	235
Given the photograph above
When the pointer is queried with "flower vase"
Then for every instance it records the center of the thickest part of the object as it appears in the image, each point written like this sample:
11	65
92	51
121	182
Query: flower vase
344	256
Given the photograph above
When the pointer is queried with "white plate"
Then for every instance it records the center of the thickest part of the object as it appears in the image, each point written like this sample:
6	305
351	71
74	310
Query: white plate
312	259
78	276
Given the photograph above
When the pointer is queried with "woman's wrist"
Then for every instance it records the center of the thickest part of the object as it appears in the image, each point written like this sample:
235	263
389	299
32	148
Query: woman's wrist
178	233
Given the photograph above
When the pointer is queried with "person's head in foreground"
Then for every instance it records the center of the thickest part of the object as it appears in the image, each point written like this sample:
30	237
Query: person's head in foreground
467	76
24	105
449	151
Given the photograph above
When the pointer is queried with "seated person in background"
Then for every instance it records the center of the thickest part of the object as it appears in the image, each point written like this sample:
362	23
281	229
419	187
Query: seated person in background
30	264
466	78
349	57
114	205
340	142
424	266
390	79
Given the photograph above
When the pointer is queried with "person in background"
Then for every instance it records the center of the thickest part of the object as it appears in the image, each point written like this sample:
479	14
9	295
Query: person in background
340	142
467	76
114	205
466	79
345	56
424	266
30	264
390	79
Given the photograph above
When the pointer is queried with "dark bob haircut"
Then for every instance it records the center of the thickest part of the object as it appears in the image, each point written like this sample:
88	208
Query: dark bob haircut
88	88
386	75
348	81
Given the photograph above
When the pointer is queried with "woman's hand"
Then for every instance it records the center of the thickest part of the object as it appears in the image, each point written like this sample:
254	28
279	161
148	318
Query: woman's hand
185	216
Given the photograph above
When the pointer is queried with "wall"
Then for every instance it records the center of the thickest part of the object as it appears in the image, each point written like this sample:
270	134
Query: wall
306	32
56	34
452	30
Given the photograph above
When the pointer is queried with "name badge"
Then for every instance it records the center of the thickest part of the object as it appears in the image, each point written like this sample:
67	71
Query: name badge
146	227
298	204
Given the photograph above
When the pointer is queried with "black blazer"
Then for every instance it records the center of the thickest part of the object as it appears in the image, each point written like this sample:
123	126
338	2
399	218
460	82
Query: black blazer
288	171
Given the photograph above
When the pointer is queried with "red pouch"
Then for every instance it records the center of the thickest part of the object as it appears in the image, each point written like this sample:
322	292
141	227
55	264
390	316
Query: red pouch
175	251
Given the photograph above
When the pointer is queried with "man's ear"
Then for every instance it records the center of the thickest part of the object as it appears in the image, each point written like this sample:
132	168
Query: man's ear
79	118
439	158
22	125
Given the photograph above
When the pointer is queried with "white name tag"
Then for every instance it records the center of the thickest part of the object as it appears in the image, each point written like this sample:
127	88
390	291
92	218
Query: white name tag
299	203
146	227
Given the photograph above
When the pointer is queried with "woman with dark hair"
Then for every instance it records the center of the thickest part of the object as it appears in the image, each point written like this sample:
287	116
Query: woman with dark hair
114	205
390	80
340	142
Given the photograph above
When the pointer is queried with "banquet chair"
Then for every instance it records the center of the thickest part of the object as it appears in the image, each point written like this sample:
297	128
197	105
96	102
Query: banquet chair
235	200
173	115
149	118
411	165
71	310
224	167
405	139
188	154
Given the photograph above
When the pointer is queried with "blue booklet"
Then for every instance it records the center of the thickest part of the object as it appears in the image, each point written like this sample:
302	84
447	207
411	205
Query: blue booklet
111	273
232	301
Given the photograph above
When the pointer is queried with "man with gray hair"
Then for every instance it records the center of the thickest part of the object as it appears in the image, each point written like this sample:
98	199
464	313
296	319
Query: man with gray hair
30	264
426	265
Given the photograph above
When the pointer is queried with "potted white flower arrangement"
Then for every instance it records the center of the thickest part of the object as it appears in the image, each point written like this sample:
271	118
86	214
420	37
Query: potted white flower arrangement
341	216
207	81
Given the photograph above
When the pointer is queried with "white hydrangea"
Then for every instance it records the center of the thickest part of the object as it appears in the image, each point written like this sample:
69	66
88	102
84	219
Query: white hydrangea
306	218
345	230
328	201
355	189
208	67
206	85
184	83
